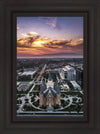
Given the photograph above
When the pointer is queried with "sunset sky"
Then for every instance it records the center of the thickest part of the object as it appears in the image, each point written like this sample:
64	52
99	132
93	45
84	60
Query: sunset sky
49	37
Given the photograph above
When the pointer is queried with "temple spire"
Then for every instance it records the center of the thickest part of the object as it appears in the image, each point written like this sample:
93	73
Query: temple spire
49	78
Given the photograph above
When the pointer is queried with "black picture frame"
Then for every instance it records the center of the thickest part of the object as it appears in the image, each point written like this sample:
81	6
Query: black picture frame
52	13
8	122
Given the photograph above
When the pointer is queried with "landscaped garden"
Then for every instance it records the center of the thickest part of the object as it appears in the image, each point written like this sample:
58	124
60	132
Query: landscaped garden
36	88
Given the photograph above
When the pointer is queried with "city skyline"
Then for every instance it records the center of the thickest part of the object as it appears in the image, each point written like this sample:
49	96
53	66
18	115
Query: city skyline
53	37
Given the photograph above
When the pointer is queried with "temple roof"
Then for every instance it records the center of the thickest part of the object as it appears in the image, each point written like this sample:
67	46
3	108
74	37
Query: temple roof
43	87
57	88
45	91
50	90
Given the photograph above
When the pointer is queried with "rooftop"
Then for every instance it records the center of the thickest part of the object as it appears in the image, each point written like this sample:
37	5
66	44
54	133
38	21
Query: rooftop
65	85
28	72
66	68
75	85
45	90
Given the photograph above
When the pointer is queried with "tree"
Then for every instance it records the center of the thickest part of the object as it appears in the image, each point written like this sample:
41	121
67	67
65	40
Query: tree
26	100
19	101
44	107
74	99
17	107
56	106
69	109
79	108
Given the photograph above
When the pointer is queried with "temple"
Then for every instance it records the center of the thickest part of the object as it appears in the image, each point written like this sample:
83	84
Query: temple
50	94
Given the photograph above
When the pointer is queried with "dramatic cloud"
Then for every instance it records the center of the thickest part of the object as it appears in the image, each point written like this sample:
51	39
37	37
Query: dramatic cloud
58	44
30	34
34	44
27	41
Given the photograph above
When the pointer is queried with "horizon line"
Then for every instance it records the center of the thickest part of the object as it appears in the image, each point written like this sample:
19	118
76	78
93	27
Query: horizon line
49	58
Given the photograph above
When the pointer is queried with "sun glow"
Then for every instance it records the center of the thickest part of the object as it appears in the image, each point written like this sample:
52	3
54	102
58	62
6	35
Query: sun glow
38	43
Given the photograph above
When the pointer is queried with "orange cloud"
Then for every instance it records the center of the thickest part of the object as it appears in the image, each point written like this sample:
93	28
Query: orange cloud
34	44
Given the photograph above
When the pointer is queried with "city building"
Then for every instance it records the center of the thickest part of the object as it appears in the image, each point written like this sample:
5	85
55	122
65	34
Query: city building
23	86
68	73
26	75
66	87
75	85
50	93
79	76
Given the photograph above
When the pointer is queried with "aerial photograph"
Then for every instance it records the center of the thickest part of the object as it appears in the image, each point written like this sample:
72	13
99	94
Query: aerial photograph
49	71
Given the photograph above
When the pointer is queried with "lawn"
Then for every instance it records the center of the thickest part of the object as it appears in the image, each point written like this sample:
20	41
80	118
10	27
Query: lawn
36	88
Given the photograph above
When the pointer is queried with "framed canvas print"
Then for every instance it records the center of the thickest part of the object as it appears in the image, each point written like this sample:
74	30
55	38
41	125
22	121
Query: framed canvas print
50	67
